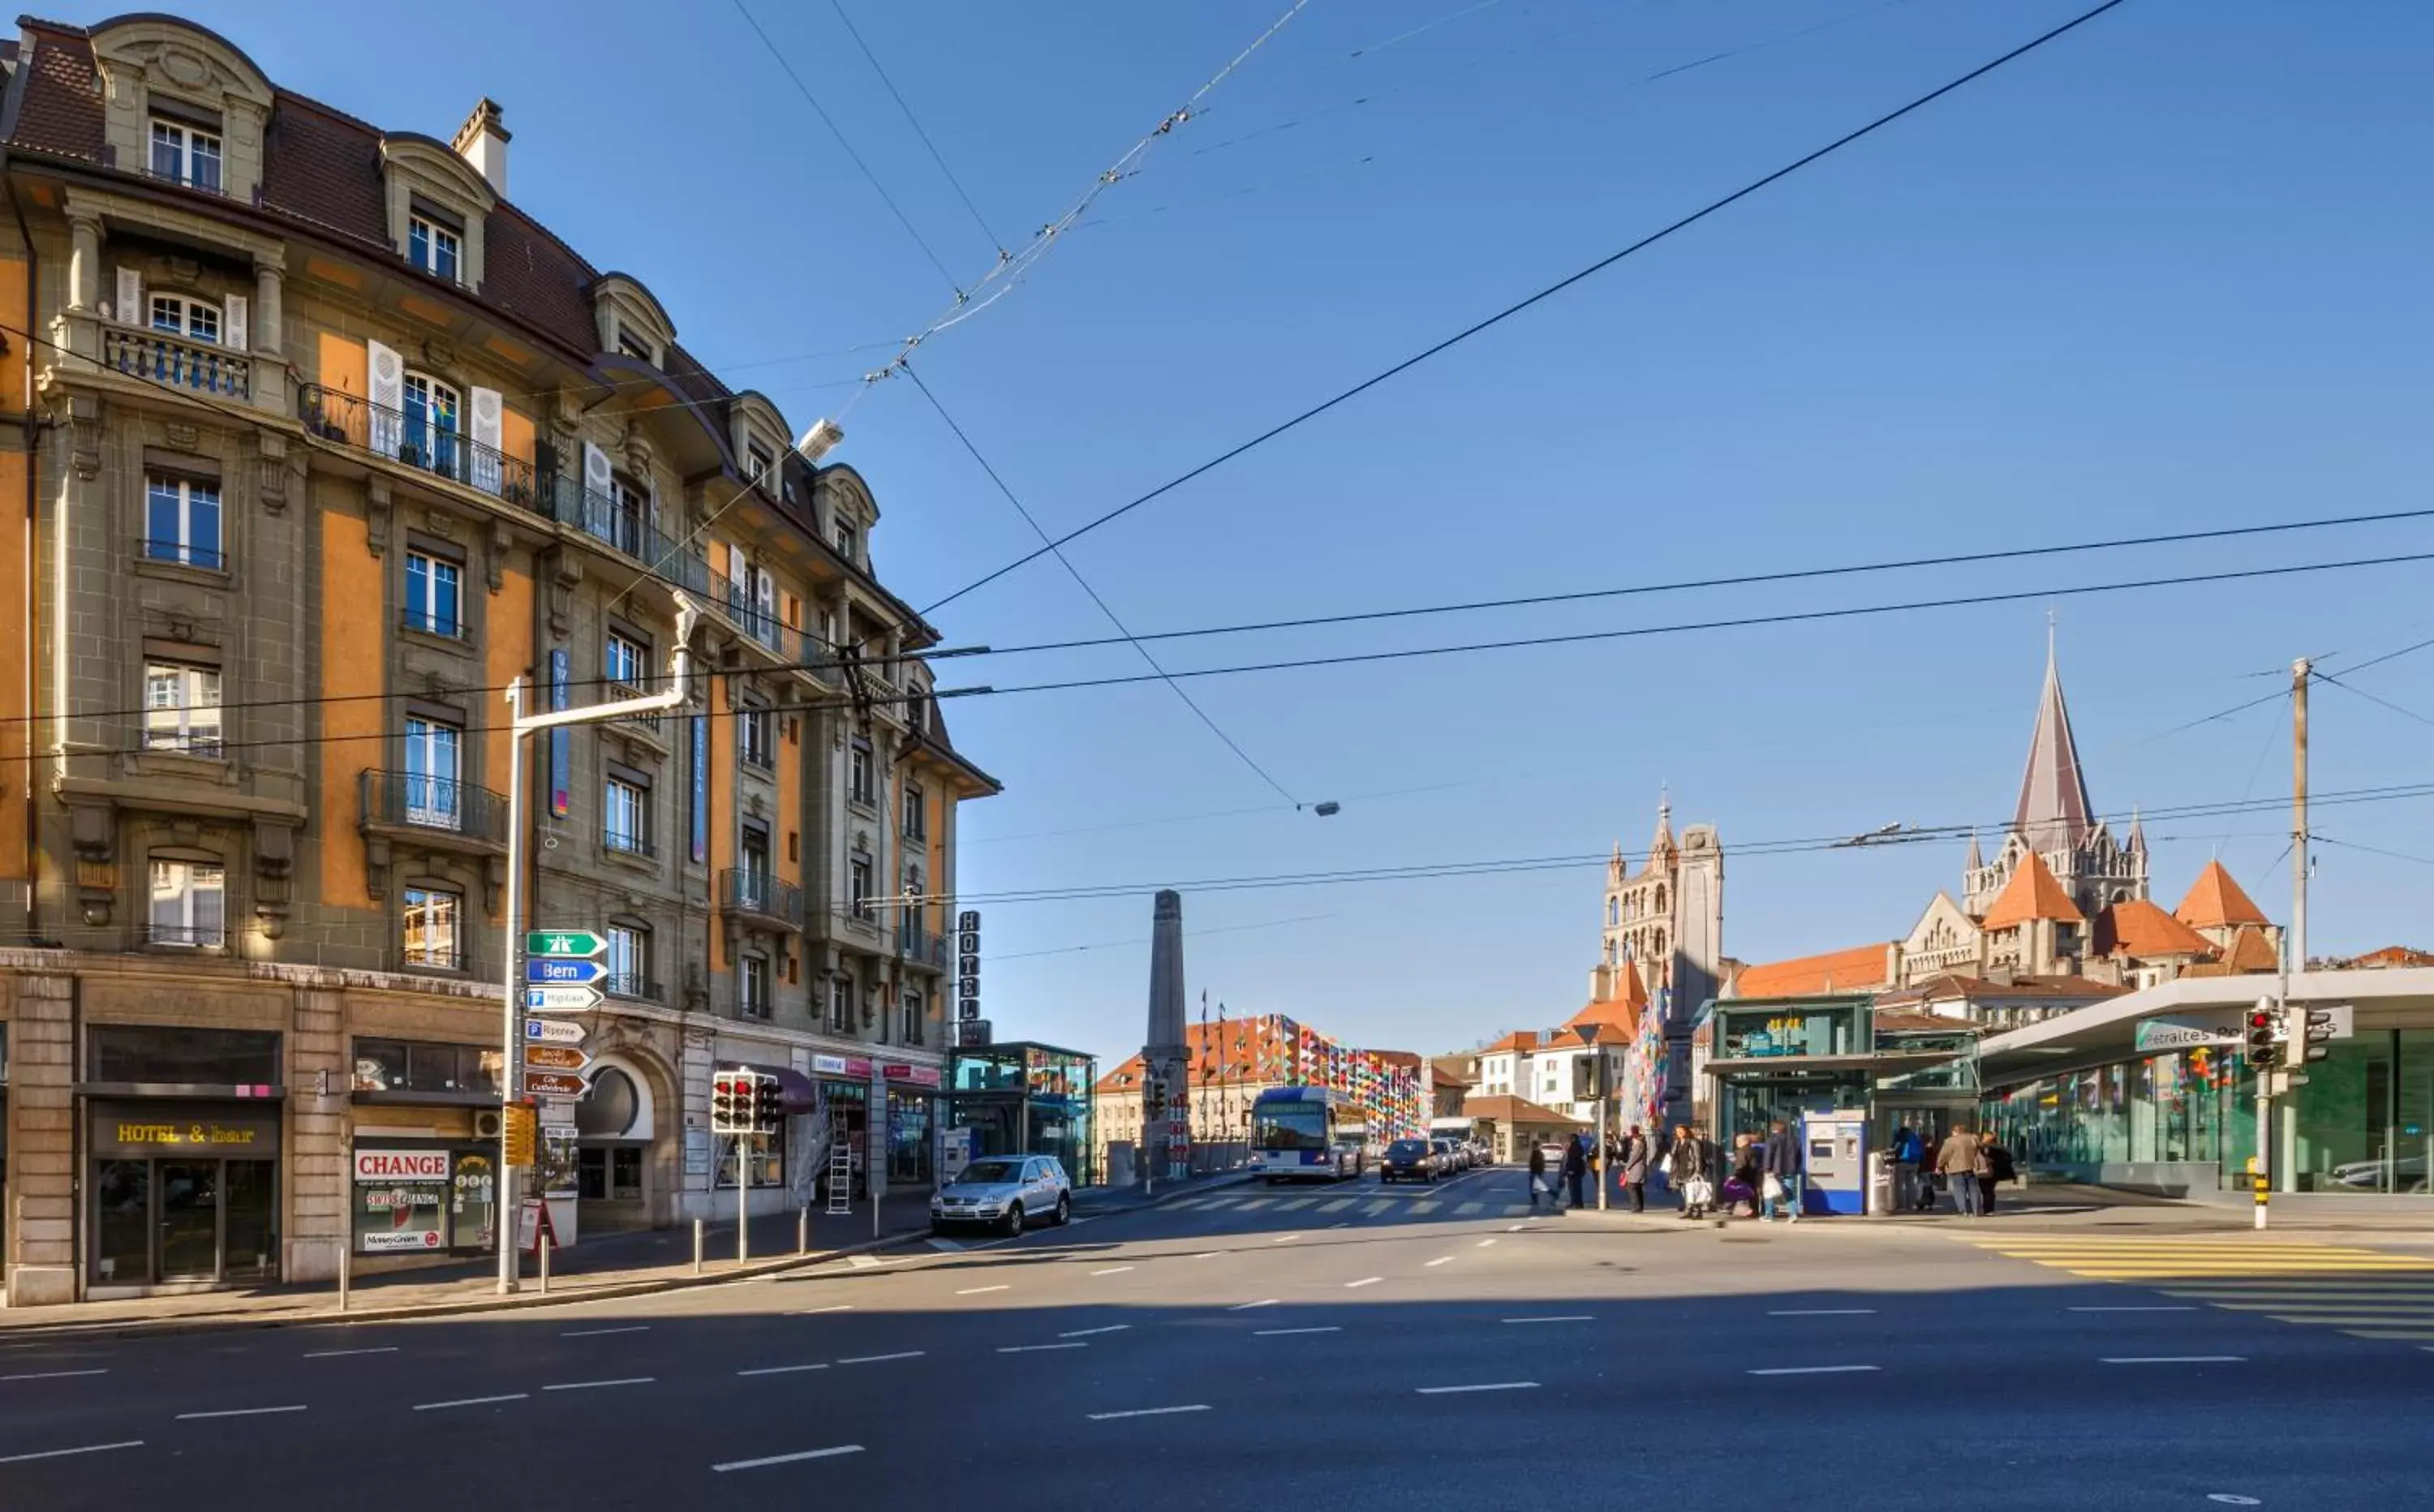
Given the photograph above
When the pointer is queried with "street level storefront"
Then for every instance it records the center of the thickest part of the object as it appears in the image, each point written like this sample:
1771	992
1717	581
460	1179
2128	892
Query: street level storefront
2113	1093
424	1172
1026	1100
182	1134
912	1123
1778	1059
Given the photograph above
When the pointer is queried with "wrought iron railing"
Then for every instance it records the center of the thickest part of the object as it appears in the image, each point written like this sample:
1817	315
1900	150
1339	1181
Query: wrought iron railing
416	440
444	955
414	800
158	357
448	626
630	842
630	985
619	522
923	947
731	600
186	553
186	936
741	890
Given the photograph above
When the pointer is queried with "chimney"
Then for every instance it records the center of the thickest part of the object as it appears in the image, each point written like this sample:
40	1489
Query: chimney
482	141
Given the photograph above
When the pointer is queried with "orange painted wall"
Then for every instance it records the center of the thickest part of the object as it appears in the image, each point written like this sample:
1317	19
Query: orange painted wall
354	619
510	655
514	435
16	550
790	803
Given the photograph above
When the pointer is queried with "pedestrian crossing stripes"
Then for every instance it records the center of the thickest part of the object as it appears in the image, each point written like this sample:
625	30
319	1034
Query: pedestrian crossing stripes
2370	1294
1414	1203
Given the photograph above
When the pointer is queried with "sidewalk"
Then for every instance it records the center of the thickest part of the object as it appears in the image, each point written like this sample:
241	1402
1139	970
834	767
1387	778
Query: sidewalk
596	1267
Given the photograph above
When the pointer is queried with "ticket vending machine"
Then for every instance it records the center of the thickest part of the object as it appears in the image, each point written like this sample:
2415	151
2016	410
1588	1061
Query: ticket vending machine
1835	1159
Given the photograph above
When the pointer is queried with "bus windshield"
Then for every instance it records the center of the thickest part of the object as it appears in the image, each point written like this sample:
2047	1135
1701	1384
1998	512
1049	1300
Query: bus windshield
1289	1126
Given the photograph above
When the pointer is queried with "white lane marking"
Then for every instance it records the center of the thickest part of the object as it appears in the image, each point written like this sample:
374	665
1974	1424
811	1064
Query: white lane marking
944	1245
235	1412
1440	1260
1296	1204
1485	1386
1426	1205
1209	1254
470	1401
1244	1307
1282	1333
1259	1202
80	1448
1147	1411
1112	1270
1285	1238
334	1354
1087	1333
2183	1309
60	1375
1034	1349
1820	1311
874	1359
861	1261
782	1369
1466	1209
1515	1228
1378	1206
815	1312
595	1332
975	1291
1815	1369
1366	1281
1485	1243
1337	1205
589	1386
2173	1359
1567	1317
787	1459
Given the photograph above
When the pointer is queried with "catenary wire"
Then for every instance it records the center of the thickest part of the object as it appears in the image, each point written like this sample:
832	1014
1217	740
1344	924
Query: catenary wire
914	122
1529	301
2372	698
1076	572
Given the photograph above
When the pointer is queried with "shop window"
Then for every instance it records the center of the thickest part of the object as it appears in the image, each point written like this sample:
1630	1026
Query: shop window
765	1159
420	1065
137	1052
611	1174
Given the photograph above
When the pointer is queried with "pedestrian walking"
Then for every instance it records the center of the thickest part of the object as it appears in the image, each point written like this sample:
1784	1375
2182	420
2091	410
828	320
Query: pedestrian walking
1780	1178
1635	1158
1957	1163
1537	1173
1743	1185
1691	1169
1576	1166
1909	1153
1996	1163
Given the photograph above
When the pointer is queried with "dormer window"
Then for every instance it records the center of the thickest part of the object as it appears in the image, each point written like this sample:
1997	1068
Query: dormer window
186	155
848	540
636	346
756	463
436	249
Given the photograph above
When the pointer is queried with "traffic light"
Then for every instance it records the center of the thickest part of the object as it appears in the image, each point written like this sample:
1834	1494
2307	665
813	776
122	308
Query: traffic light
2263	1036
730	1102
767	1115
1589	1078
2320	1029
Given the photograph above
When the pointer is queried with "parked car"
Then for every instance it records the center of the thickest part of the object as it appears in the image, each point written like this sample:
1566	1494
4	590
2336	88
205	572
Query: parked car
1448	1157
1481	1154
1408	1159
1006	1190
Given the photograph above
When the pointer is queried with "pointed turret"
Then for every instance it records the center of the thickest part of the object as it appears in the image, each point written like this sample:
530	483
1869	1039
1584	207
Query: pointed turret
1663	843
1975	863
2053	810
1614	869
2138	841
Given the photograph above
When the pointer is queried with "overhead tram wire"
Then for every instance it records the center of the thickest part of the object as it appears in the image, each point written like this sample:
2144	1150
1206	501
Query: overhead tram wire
914	122
1076	572
825	120
1549	292
2372	698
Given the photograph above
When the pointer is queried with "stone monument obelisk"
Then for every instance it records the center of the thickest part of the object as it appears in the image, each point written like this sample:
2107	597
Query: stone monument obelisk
1165	1056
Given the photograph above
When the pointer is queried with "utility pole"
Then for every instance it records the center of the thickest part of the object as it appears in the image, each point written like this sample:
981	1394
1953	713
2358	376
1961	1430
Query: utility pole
2294	953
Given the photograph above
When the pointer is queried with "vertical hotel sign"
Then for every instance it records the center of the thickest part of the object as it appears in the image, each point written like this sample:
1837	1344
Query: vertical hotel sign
699	791
562	761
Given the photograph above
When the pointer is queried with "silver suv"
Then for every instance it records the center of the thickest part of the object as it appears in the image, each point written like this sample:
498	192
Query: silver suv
1006	1190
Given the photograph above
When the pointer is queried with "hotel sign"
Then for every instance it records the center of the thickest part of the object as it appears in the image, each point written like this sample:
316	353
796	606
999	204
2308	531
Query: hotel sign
144	1133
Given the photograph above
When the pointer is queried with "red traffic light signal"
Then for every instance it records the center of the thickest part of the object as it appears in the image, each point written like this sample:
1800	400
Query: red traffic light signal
2264	1038
730	1102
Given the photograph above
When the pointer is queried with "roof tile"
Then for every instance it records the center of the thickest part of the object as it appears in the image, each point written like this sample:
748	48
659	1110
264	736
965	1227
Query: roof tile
2216	902
2140	929
2031	893
1857	969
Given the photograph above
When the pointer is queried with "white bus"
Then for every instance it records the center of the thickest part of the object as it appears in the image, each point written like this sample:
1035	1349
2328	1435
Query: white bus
1296	1136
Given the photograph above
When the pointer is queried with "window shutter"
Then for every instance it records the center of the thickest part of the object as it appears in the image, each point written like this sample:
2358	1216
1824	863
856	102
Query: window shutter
764	598
487	437
232	323
130	298
597	475
735	579
386	373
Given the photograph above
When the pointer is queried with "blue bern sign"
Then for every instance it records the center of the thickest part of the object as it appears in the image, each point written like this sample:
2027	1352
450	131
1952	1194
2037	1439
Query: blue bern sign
553	972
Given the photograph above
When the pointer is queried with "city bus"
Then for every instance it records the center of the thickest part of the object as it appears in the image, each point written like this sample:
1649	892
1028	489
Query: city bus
1296	1136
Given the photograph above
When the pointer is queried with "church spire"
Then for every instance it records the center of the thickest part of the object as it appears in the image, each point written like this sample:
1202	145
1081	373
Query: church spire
2053	810
2138	841
1664	840
1975	863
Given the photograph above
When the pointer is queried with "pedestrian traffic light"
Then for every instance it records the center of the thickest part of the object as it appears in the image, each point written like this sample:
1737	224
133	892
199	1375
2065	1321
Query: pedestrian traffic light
767	1115
730	1102
2264	1037
2320	1029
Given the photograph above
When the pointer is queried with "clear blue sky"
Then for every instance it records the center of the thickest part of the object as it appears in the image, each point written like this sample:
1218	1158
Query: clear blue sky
2167	273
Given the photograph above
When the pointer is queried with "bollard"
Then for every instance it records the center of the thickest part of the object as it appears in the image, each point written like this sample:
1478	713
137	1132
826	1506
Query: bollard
346	1266
804	1229
544	1247
696	1247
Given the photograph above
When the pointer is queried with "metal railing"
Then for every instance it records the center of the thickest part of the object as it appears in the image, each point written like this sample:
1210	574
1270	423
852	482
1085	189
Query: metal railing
621	692
185	936
629	985
185	743
156	356
414	800
625	844
728	598
349	420
448	627
922	947
185	554
741	890
442	956
616	523
188	178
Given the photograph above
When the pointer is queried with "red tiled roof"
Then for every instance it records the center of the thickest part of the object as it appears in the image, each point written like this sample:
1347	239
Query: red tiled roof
2140	929
1511	1111
1621	1010
2393	956
2216	902
1985	989
1857	969
2250	951
1521	1041
2031	893
59	108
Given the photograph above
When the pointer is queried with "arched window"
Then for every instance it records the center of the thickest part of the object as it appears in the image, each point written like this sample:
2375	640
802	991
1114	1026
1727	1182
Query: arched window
1660	900
1613	911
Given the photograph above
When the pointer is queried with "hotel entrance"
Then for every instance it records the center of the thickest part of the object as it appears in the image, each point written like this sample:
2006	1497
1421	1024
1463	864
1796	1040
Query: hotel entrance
170	1210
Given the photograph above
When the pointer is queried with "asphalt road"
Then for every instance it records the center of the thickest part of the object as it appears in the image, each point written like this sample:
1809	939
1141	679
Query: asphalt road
1343	1347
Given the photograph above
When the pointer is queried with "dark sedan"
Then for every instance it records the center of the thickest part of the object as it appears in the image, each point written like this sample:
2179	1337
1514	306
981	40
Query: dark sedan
1408	1160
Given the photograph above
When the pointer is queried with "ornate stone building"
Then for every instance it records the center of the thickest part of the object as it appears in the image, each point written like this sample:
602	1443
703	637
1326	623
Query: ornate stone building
1664	933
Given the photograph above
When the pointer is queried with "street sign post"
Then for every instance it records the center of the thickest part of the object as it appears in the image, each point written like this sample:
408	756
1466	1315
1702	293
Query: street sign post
552	1032
561	1000
574	945
553	1084
556	1057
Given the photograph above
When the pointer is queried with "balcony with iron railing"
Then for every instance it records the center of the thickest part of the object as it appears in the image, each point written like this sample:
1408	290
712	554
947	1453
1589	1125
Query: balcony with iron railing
922	947
202	937
761	895
730	599
435	810
619	523
635	842
163	357
627	984
416	440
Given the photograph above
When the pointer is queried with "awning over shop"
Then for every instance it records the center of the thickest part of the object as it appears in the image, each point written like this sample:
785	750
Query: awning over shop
795	1094
1889	1062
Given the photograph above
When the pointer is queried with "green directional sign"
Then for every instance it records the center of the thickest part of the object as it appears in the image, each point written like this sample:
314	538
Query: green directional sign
576	944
